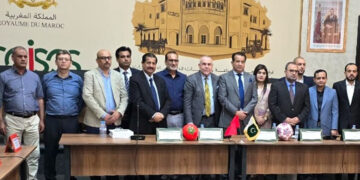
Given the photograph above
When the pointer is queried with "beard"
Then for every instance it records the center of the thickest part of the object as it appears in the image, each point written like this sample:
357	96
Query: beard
350	78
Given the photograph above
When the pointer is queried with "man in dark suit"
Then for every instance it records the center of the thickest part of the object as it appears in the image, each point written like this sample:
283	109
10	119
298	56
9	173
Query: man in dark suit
289	102
288	99
237	93
200	95
348	93
123	57
149	96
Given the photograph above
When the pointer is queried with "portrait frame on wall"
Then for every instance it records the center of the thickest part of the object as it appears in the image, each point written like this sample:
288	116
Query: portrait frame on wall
327	26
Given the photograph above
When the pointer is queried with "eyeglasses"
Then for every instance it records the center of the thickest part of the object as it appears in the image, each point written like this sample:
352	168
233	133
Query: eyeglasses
63	59
128	56
173	60
104	57
293	71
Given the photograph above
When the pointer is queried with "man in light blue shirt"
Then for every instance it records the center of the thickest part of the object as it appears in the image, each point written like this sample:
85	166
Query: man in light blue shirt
62	90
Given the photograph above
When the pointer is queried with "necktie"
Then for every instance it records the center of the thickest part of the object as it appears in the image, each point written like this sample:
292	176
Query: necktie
207	99
241	91
126	81
154	94
291	92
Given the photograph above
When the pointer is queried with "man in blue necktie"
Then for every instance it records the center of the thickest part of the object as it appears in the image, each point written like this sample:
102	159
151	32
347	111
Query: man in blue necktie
237	93
149	98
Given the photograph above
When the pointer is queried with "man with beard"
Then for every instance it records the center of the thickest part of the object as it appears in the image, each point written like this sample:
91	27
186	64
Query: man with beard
105	96
348	94
175	81
289	99
301	63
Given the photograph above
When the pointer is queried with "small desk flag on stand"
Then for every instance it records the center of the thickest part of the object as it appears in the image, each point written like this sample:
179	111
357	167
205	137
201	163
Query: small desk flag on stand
251	130
232	128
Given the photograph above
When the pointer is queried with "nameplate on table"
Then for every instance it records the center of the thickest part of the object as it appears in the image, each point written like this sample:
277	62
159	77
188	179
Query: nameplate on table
267	135
211	134
310	134
169	134
351	134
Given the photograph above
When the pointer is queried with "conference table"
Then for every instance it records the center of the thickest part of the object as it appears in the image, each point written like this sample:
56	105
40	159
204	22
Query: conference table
298	157
13	165
92	155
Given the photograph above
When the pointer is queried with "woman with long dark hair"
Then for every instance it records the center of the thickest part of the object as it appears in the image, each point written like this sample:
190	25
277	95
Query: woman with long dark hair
261	112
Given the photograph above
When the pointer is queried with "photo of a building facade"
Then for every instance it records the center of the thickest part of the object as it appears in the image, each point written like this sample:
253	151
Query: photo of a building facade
196	27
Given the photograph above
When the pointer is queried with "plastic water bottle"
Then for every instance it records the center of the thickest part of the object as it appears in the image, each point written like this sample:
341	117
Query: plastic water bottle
202	126
102	129
296	134
273	126
353	126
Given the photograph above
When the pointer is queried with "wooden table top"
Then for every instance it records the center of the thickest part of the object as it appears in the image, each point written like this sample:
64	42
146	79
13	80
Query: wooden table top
9	161
94	139
241	140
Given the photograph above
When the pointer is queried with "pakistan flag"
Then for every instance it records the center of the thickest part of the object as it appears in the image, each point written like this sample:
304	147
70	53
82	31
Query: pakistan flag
251	130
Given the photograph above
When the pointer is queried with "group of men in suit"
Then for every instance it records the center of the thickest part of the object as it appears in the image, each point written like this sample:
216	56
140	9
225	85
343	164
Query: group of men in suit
144	100
212	101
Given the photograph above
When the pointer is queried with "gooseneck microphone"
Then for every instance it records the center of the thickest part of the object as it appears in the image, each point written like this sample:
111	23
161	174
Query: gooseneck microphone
137	136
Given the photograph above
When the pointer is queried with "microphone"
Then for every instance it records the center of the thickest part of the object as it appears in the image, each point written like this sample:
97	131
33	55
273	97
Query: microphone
137	136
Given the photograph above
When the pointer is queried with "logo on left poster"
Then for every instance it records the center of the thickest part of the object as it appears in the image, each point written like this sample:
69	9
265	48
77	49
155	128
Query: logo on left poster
45	4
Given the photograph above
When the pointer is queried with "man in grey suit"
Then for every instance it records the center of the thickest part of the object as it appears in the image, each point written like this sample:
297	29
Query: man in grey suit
200	95
237	93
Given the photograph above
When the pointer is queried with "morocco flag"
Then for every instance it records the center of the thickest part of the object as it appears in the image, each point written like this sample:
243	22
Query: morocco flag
232	128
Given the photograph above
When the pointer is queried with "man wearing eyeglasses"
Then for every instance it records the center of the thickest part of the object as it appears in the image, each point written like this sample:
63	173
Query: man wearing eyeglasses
105	96
289	102
123	57
288	99
62	92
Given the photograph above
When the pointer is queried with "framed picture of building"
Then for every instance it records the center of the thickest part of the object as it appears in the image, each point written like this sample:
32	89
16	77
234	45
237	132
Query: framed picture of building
327	24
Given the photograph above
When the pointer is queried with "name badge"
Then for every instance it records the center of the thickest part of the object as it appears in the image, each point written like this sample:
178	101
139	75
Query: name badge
351	134
267	135
168	134
212	134
310	135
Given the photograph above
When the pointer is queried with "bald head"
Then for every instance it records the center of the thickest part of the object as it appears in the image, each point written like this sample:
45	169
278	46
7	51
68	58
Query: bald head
206	65
103	58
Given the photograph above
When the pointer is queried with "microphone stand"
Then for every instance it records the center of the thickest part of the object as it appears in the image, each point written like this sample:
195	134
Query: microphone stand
137	136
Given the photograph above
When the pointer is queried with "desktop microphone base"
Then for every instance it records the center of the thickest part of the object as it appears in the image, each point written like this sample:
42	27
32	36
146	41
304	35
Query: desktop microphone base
137	137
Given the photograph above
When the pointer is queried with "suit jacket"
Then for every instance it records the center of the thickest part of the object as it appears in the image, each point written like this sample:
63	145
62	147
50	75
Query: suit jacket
140	95
94	96
280	103
230	100
349	114
309	81
194	98
133	70
329	110
125	122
